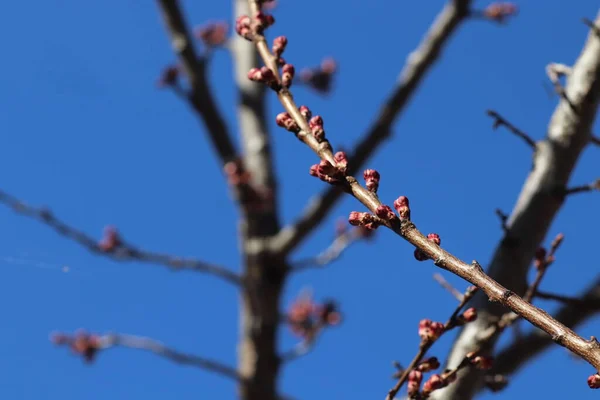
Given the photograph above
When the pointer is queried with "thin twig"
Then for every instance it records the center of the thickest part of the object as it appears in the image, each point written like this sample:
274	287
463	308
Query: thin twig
446	285
426	344
124	252
595	140
591	25
569	300
137	342
555	71
332	253
503	219
418	64
501	121
584	188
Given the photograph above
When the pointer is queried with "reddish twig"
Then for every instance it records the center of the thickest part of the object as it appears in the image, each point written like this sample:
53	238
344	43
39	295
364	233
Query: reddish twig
428	340
501	121
121	251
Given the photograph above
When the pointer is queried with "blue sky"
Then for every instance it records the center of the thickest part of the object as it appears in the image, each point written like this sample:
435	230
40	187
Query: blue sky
86	132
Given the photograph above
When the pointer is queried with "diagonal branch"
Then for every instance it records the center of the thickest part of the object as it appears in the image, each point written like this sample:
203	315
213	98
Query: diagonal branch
89	345
122	252
200	97
575	312
332	169
501	121
539	202
419	62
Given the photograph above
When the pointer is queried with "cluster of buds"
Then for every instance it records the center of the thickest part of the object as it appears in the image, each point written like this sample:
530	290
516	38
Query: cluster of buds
316	125
469	315
432	237
594	381
479	361
111	239
364	220
305	317
213	34
499	12
430	330
385	213
249	195
264	75
285	120
82	343
415	377
330	173
248	27
320	78
287	74
279	45
428	364
169	77
402	207
436	382
372	179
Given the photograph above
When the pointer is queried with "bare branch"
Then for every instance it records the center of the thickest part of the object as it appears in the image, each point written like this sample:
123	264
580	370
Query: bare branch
123	252
555	158
556	71
332	253
333	169
584	188
575	312
419	62
446	285
591	25
595	140
503	219
501	121
89	345
200	97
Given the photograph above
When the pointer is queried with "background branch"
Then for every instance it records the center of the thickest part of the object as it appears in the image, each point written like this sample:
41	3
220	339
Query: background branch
501	121
122	252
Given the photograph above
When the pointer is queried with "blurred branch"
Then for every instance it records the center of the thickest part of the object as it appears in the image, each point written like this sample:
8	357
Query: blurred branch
88	346
200	96
333	252
446	285
501	121
595	140
584	188
120	252
419	62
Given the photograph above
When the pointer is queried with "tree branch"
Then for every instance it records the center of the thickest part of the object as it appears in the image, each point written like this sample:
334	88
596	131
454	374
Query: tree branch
501	121
584	188
89	345
539	202
419	62
332	169
122	252
200	97
575	312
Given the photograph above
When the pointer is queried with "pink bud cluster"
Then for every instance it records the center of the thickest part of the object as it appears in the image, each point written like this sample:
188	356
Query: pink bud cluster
372	179
594	381
264	75
213	34
415	378
402	207
436	382
330	173
111	239
82	343
430	330
432	237
364	220
305	316
248	27
479	361
320	78
499	12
